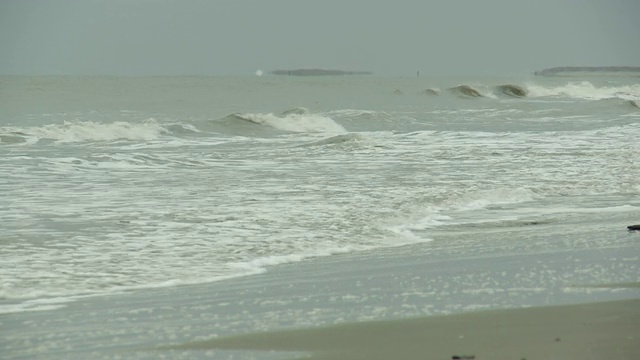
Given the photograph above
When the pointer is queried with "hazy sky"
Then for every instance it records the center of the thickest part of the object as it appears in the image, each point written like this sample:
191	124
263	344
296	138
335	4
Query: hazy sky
167	37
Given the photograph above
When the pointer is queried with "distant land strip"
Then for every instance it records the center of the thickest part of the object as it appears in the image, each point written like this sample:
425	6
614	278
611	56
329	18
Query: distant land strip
319	72
604	70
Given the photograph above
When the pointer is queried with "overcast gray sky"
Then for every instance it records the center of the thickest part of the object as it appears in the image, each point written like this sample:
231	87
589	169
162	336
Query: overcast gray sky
169	37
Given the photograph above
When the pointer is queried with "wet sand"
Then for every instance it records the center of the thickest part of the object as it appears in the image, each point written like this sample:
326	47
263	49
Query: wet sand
607	330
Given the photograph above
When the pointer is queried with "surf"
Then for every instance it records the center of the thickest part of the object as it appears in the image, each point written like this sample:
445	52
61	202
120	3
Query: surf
585	90
293	121
84	131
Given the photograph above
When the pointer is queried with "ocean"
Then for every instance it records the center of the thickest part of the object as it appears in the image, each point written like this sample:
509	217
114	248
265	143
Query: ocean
129	185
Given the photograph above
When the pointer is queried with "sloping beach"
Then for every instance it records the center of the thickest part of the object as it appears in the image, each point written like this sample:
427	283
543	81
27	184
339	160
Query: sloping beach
413	302
608	330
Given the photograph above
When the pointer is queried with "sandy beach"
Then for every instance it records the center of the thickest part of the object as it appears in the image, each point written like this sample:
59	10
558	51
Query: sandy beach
609	330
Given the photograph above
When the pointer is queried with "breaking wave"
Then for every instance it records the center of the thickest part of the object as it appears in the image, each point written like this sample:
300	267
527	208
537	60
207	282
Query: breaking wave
583	90
84	131
512	90
587	91
294	122
466	91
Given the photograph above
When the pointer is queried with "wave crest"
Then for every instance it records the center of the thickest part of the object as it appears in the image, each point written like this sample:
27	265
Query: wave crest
296	111
512	90
465	91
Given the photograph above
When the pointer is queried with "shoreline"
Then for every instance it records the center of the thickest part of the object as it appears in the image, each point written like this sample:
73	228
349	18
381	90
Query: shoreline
605	330
393	287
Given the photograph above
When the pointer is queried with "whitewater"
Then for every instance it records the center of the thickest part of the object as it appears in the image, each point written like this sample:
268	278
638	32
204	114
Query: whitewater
112	185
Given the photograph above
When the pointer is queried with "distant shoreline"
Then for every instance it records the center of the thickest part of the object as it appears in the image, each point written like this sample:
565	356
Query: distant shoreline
596	70
319	72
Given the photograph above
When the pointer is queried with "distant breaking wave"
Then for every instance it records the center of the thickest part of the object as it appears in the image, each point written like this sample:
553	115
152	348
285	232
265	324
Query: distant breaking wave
587	91
465	91
468	91
583	90
512	90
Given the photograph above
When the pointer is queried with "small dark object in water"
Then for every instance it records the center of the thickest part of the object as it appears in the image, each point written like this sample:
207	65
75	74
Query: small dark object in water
463	357
557	339
633	227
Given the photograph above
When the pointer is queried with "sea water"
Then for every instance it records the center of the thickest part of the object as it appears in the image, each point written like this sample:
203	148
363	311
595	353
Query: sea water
111	184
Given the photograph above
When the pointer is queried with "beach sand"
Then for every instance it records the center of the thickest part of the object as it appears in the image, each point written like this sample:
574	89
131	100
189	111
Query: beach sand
598	331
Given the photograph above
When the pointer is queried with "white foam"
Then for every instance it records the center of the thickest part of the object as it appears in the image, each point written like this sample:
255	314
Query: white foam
259	265
412	229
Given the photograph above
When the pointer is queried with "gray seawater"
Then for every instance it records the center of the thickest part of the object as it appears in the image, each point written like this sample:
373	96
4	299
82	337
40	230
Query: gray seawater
114	184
